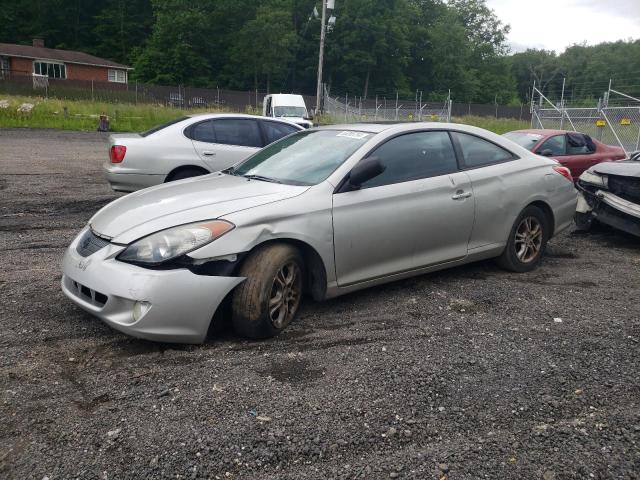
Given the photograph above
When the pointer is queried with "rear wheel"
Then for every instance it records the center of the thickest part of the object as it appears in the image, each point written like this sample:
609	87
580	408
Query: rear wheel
527	241
185	173
268	300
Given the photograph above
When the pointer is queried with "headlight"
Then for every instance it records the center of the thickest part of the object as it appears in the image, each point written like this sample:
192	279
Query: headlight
594	179
174	242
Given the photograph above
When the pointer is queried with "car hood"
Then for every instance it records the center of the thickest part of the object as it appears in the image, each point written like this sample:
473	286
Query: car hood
191	200
626	168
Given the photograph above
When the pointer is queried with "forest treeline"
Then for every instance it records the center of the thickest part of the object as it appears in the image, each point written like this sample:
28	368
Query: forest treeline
375	47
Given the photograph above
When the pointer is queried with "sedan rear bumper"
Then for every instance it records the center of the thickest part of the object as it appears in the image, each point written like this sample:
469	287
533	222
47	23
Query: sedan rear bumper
121	180
170	305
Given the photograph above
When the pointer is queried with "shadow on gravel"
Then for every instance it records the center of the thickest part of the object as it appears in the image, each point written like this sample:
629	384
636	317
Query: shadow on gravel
610	237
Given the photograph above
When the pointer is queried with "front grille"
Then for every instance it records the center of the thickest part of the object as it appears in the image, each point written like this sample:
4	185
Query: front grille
90	295
90	243
625	187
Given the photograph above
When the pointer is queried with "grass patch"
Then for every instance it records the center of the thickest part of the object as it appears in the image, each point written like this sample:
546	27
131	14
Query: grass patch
126	117
496	125
84	115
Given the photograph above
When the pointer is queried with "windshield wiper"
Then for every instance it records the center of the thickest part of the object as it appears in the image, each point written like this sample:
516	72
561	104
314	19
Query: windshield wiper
261	178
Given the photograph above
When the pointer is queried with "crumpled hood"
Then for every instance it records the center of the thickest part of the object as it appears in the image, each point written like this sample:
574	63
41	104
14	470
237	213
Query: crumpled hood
625	168
191	200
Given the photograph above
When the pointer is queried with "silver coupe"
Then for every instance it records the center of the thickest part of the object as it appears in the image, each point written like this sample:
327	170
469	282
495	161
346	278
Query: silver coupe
188	147
324	212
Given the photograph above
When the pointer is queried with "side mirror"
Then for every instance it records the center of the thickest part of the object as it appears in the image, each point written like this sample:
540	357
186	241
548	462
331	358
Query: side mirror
365	170
546	153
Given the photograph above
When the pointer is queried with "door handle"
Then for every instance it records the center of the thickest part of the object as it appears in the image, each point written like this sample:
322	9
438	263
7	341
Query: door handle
460	194
208	153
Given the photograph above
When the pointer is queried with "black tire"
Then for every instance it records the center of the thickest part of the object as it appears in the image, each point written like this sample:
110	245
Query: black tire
523	252
185	173
267	271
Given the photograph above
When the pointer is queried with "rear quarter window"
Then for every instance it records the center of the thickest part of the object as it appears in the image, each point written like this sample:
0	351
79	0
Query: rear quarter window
162	127
478	152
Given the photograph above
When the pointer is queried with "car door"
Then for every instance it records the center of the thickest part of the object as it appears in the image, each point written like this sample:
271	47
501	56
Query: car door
223	142
581	154
498	182
418	212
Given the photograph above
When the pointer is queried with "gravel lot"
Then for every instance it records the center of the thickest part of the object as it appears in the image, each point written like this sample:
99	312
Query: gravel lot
467	373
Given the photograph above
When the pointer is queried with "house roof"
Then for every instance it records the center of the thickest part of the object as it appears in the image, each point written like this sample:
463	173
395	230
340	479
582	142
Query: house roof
57	55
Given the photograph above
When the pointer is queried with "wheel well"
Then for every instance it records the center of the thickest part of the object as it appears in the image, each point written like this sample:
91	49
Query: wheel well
315	272
182	168
548	213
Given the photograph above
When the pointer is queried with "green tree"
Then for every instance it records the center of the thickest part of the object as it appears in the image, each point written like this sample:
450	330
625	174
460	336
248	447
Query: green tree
265	44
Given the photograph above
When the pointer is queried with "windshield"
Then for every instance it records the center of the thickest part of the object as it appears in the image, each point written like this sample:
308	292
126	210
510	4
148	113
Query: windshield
289	111
526	140
304	158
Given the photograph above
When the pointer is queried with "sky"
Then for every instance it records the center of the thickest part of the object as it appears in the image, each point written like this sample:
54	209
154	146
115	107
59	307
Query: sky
558	24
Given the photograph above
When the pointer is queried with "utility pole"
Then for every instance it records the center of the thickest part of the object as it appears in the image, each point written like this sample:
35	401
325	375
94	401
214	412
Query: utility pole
323	30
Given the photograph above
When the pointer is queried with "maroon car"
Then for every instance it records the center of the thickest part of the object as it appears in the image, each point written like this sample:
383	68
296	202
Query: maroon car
576	151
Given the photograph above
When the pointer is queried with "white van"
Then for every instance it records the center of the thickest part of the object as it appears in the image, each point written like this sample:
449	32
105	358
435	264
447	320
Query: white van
290	107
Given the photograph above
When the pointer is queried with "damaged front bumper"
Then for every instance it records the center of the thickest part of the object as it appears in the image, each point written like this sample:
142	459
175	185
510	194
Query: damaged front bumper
174	305
609	209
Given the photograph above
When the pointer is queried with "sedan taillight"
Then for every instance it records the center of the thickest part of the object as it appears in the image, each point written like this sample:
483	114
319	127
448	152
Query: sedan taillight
117	153
564	171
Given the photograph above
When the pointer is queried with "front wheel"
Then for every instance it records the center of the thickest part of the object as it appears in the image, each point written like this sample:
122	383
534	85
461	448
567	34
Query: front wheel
527	241
268	300
186	173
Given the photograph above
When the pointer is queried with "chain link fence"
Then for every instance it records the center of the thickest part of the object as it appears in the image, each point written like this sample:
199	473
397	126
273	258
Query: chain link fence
614	121
336	109
357	109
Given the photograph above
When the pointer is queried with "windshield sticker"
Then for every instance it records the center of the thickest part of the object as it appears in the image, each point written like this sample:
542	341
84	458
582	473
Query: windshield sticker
350	134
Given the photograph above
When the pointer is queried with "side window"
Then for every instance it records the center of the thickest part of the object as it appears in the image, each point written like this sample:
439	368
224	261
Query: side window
202	132
237	131
413	156
577	144
275	131
556	144
478	152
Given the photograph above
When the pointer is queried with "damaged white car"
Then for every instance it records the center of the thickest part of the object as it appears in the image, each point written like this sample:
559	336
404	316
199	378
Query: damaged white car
610	193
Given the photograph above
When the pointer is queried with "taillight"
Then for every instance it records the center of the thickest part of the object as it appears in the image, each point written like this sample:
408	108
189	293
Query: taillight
117	153
564	171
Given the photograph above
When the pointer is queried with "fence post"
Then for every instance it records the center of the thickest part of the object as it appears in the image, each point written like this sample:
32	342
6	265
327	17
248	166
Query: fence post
136	92
346	102
396	105
562	109
92	90
218	96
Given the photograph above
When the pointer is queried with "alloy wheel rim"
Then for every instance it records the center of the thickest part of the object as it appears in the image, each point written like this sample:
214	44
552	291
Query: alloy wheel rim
286	292
528	239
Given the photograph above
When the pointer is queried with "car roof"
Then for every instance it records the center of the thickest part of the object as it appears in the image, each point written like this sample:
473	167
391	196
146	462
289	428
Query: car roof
378	127
545	132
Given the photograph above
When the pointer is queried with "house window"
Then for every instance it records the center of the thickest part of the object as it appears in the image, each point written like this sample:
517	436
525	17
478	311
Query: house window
4	67
119	76
50	69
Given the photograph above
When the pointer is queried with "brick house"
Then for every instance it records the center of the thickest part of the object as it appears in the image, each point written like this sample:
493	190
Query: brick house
36	59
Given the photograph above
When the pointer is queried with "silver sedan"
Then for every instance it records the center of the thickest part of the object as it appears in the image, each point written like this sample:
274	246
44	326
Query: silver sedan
324	212
188	147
